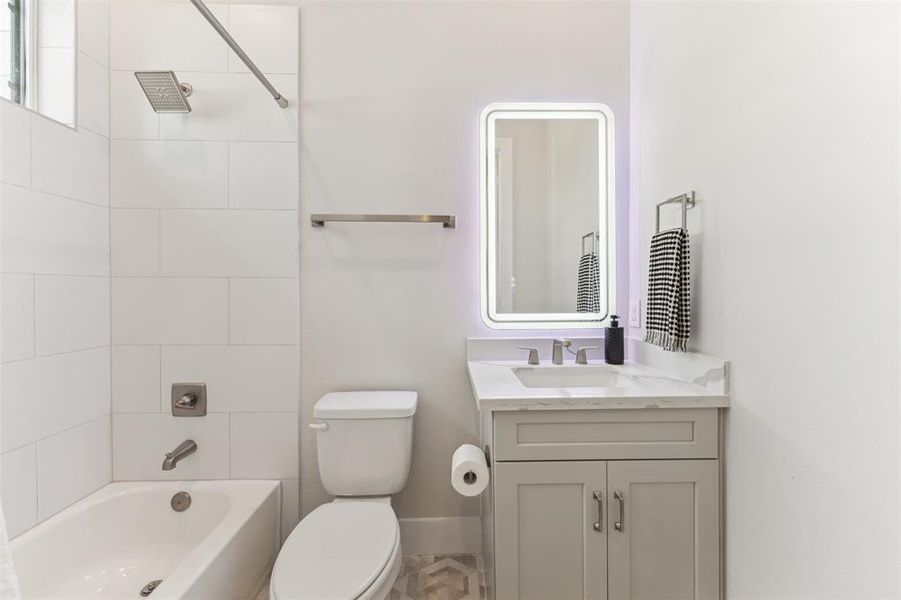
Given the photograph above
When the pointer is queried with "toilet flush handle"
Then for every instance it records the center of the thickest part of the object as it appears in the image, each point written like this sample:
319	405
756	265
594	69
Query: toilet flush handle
319	426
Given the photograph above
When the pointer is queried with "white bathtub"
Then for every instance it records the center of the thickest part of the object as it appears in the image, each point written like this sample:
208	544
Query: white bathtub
112	543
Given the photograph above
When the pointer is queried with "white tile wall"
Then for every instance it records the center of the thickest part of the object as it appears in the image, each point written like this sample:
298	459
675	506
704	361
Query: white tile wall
234	106
141	441
204	237
72	464
130	114
16	317
71	313
54	287
19	489
290	506
262	311
262	175
171	36
169	311
41	233
257	27
236	243
93	29
264	445
93	95
169	174
69	163
136	379
44	396
238	378
15	145
135	242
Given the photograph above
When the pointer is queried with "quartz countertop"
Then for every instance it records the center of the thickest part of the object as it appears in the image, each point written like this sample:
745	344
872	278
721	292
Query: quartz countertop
496	387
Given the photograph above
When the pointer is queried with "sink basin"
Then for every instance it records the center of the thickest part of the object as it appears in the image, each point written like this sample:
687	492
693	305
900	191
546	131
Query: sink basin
572	377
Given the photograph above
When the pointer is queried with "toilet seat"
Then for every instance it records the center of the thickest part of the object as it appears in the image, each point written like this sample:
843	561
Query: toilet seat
344	550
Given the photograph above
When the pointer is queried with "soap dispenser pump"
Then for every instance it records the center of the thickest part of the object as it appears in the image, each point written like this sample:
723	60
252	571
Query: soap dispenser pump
614	345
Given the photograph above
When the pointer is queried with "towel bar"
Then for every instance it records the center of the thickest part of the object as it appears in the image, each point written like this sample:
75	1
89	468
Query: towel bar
319	220
687	201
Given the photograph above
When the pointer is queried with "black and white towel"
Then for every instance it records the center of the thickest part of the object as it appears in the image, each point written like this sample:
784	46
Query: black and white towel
668	320
588	294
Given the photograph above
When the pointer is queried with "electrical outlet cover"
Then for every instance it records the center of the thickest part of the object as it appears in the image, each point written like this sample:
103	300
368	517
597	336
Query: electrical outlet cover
635	313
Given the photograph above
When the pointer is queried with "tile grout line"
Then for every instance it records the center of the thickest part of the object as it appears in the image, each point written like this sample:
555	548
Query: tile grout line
54	354
109	221
55	195
159	242
37	441
34	319
160	386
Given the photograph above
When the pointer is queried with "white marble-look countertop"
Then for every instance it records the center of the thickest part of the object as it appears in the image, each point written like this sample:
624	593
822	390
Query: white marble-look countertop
701	382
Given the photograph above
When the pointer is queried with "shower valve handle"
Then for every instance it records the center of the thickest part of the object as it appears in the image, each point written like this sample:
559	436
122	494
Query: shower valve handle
188	400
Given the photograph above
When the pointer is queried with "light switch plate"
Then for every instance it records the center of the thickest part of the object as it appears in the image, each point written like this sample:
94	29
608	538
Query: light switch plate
197	408
635	313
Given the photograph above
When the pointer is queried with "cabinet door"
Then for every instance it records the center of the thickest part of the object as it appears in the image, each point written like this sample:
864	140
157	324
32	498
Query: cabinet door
664	531
547	542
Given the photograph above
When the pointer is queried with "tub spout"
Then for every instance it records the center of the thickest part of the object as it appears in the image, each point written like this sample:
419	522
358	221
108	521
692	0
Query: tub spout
184	449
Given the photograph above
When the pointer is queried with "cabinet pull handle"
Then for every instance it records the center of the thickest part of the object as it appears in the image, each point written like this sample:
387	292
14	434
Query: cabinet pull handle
621	497
599	498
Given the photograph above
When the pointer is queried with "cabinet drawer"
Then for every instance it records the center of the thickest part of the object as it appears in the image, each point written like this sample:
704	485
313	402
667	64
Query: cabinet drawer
605	434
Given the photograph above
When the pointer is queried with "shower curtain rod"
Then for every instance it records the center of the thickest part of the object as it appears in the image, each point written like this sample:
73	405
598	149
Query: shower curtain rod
211	18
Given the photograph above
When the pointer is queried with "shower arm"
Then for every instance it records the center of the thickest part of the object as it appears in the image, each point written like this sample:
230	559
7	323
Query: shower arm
209	16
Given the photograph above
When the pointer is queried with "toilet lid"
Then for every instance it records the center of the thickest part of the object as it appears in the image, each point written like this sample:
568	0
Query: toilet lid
336	552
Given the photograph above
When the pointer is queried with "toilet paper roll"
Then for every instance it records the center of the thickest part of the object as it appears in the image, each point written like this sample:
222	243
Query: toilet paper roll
469	470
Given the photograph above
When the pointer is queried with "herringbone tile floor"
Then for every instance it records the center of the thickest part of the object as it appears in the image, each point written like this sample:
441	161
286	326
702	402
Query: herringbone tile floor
434	577
445	577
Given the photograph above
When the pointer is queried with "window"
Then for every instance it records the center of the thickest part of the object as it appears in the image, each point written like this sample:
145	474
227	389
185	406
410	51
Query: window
37	56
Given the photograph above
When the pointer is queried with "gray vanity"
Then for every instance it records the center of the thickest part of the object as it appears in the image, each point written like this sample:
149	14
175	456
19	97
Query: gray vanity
608	487
605	481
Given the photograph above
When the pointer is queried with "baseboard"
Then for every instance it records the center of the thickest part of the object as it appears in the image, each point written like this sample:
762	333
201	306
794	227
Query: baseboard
441	535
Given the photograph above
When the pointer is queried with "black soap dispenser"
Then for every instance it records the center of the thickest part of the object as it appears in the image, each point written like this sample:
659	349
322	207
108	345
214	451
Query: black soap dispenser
614	345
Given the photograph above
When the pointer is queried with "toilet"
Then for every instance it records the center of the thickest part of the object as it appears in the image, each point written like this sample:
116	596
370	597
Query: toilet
349	548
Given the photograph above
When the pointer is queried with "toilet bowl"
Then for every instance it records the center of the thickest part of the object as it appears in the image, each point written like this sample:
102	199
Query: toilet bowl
341	550
349	549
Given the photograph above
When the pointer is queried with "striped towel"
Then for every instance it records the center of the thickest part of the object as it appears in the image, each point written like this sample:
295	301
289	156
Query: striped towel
587	296
668	318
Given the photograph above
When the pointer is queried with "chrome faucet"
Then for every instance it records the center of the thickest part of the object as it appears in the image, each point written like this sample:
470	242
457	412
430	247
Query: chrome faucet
559	345
184	449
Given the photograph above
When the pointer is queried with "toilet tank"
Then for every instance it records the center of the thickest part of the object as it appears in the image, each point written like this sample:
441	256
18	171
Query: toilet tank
364	441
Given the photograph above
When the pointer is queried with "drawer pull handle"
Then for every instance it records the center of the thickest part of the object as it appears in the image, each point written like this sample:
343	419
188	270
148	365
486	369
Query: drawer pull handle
599	498
621	497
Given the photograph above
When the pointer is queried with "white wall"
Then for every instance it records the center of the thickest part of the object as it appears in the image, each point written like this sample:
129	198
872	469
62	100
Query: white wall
204	247
391	94
785	119
54	294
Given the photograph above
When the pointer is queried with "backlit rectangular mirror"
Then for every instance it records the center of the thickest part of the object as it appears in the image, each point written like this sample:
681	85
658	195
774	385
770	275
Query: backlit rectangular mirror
547	215
37	57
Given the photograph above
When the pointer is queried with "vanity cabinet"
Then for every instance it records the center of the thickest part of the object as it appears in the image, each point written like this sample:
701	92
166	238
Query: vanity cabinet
606	504
548	545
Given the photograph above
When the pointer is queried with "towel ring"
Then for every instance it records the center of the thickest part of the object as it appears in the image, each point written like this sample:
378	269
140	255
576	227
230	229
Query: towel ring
687	201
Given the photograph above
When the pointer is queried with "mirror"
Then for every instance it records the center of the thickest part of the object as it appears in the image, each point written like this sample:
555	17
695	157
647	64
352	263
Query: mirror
37	57
547	212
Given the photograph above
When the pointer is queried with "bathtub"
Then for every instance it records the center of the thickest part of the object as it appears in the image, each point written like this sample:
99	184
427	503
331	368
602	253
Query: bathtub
125	535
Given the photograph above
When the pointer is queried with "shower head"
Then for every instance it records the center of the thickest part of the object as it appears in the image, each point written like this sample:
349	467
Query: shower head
165	93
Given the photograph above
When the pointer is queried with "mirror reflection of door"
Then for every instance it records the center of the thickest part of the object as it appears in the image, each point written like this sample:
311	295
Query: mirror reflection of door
506	292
